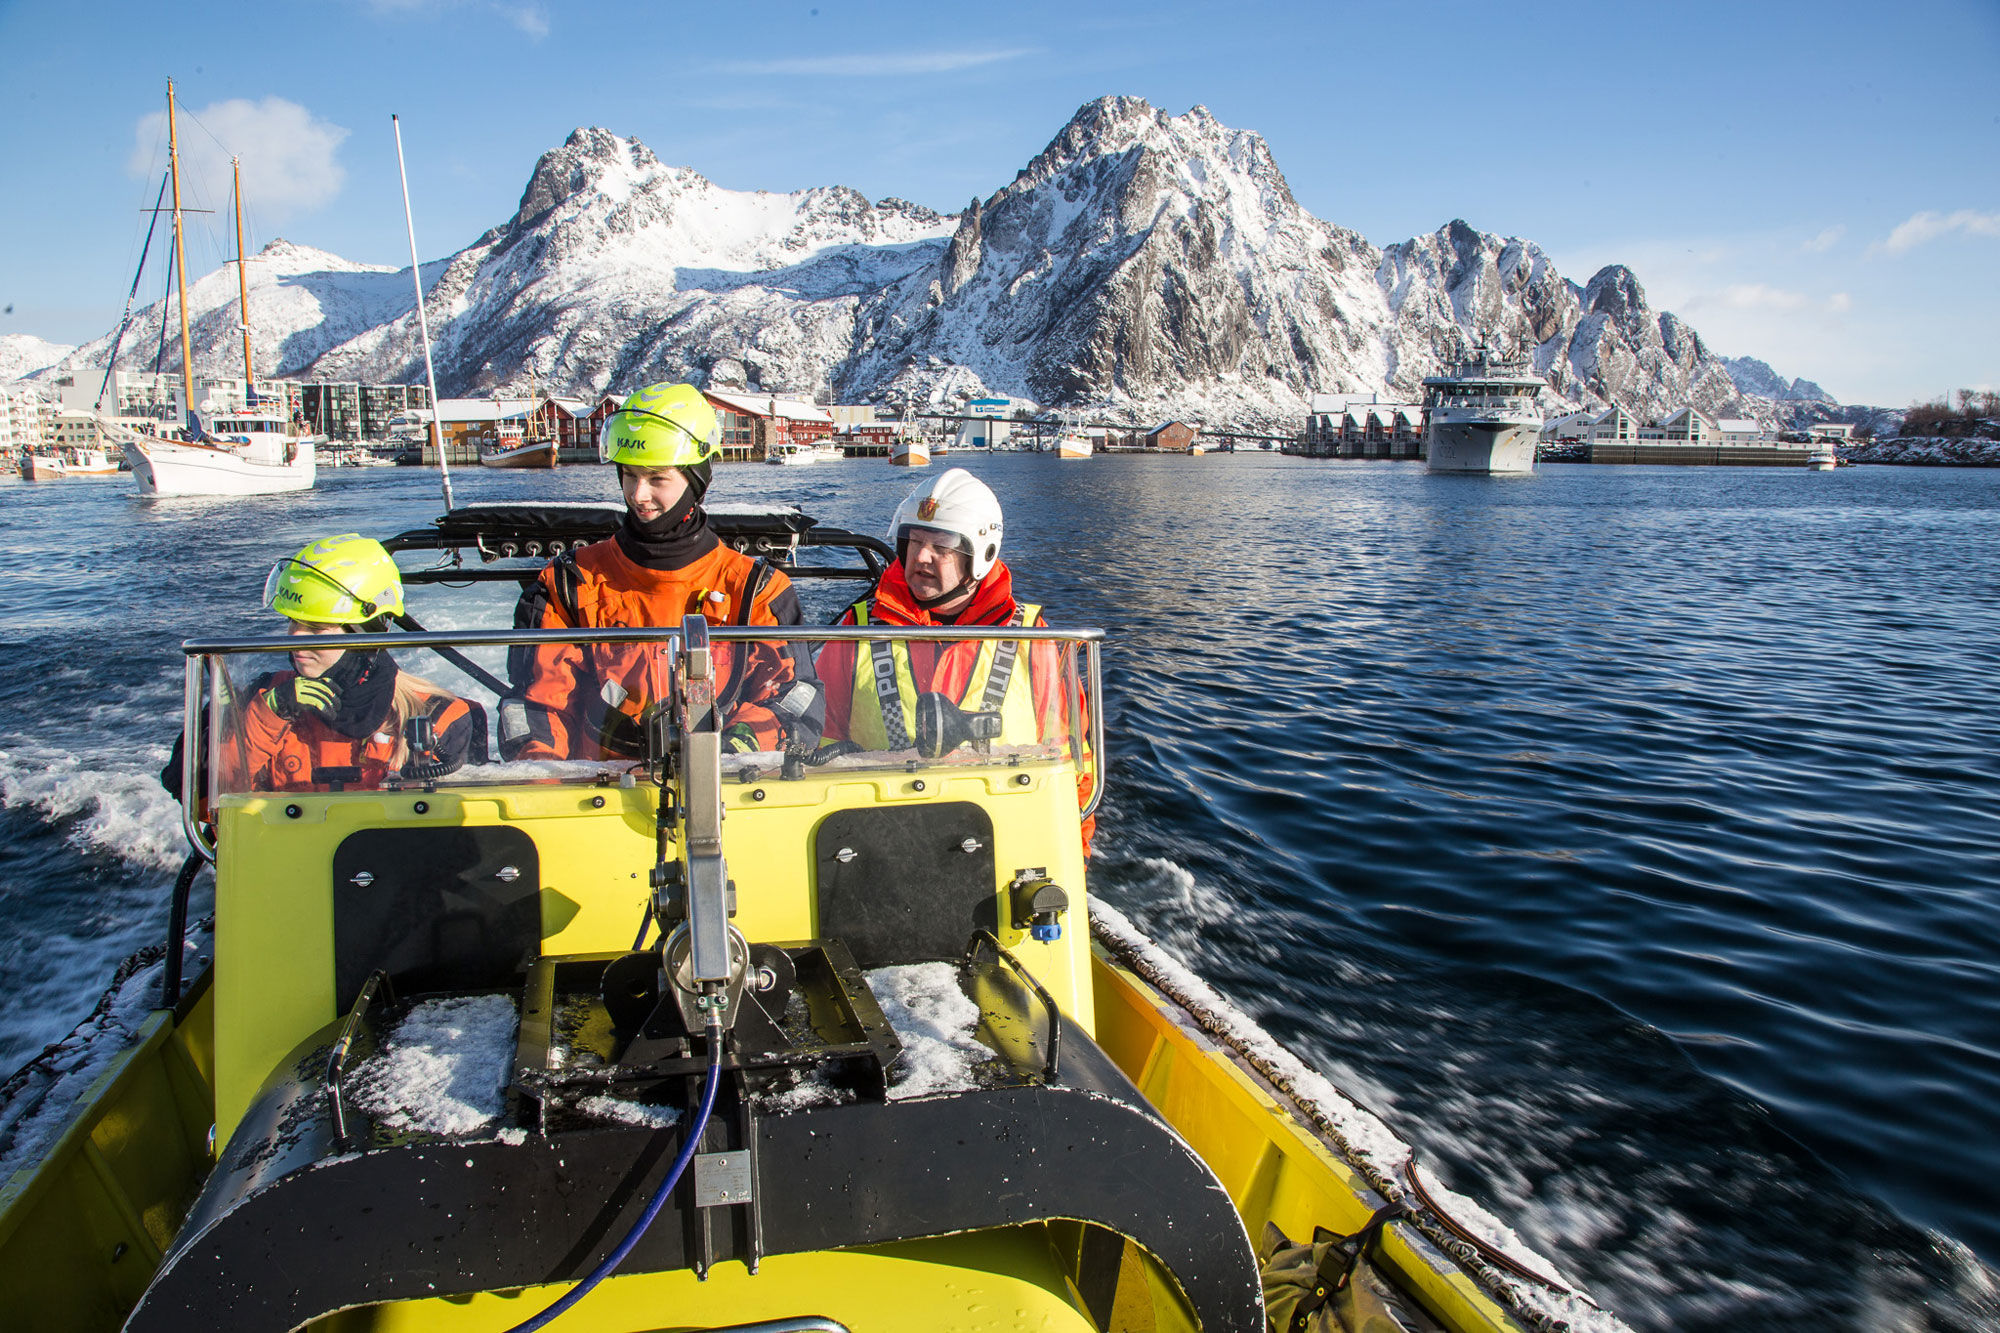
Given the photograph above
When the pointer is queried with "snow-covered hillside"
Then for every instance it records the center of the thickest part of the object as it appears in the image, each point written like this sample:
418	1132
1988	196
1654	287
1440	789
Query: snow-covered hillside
302	302
1142	264
22	354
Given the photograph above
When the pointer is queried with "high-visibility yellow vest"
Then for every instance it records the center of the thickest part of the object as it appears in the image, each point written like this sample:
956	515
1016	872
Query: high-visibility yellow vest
885	697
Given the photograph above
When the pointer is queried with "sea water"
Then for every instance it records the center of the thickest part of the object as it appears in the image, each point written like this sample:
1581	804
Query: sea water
1627	838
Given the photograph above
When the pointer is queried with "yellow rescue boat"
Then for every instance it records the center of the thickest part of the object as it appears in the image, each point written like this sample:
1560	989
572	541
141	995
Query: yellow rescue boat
884	1066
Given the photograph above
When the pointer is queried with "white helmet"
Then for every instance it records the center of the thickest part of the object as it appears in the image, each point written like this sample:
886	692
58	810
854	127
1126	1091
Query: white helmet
959	503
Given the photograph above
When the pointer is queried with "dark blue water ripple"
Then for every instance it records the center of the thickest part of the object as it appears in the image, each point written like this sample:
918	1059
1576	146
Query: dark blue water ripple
1627	837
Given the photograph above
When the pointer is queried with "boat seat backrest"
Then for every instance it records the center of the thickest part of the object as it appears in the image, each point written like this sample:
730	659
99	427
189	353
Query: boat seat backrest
905	883
436	908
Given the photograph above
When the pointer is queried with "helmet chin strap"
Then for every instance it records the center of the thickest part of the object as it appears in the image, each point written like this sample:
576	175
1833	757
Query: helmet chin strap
950	594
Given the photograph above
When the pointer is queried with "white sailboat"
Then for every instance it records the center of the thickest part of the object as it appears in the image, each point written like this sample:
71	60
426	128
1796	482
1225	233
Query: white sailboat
246	452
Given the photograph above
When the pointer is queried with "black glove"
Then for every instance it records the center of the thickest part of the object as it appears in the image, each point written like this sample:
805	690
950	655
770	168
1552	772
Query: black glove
304	694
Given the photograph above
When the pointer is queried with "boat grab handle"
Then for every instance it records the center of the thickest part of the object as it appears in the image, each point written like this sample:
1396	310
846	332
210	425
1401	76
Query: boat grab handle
336	1060
1049	1066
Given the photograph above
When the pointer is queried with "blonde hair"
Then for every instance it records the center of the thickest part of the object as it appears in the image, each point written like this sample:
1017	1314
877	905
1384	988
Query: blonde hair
412	698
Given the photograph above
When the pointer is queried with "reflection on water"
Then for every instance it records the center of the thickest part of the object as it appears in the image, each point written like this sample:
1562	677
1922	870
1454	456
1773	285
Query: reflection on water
1626	836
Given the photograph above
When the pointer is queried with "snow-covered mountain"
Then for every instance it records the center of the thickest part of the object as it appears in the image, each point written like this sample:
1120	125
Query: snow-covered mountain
1142	264
303	303
1755	377
22	354
617	269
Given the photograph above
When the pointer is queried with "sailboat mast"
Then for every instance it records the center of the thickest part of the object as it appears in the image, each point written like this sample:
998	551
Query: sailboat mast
180	255
242	281
423	320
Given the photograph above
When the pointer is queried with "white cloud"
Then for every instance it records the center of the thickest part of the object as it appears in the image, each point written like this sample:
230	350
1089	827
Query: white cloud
1922	228
290	163
1825	241
1749	296
1763	297
876	64
532	19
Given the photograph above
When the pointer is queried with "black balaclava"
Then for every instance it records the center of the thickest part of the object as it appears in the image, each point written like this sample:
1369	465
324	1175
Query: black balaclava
676	538
367	683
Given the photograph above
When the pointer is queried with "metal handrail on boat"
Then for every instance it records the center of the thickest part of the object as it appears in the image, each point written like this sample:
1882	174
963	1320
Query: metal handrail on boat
198	651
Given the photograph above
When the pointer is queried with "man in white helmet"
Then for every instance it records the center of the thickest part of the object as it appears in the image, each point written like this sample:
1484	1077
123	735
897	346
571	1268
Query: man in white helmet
948	571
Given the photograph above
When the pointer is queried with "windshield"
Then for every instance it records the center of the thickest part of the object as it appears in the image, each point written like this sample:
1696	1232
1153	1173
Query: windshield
334	712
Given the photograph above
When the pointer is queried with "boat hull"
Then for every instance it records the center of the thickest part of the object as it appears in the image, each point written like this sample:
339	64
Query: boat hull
166	467
541	454
89	463
909	455
40	467
1482	448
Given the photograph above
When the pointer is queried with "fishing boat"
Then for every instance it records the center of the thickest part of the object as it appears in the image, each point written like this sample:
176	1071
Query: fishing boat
249	451
876	1059
1482	418
83	461
42	467
530	453
909	451
1073	444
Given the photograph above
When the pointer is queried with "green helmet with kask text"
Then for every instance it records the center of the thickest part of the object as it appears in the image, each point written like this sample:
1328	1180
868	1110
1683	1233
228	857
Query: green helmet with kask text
663	425
344	580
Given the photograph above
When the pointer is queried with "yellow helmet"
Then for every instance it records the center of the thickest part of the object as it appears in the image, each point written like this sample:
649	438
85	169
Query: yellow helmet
344	580
662	425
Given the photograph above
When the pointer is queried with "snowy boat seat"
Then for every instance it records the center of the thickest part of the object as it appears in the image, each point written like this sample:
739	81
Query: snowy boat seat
466	1196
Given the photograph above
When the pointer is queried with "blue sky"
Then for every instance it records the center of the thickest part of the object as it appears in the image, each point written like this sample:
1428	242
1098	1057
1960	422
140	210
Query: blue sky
1814	184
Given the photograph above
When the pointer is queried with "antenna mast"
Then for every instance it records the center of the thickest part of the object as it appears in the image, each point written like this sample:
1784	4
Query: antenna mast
423	321
180	262
242	283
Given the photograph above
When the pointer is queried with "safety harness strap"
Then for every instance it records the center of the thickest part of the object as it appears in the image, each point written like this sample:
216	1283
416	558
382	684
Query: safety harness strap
1002	673
882	653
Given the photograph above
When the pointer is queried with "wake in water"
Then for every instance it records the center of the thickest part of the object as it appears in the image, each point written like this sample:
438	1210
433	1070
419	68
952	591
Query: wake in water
1673	1200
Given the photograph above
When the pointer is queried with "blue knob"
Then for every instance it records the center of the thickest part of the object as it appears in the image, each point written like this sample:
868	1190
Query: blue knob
1046	932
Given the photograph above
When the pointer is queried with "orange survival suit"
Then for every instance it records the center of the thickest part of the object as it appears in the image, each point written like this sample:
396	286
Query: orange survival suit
944	668
589	701
310	753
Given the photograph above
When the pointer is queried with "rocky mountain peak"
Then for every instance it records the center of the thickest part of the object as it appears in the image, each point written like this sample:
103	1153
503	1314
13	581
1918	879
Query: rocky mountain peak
1142	264
1614	291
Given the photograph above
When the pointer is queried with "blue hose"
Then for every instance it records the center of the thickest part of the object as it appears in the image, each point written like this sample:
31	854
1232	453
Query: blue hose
617	1256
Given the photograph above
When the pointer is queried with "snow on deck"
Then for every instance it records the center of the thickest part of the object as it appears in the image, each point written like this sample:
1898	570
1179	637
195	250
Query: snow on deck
444	1069
934	1019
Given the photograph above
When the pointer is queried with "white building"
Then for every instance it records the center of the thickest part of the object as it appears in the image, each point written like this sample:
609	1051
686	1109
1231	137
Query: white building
1688	425
1613	425
131	393
1738	431
24	416
986	424
74	430
1567	428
